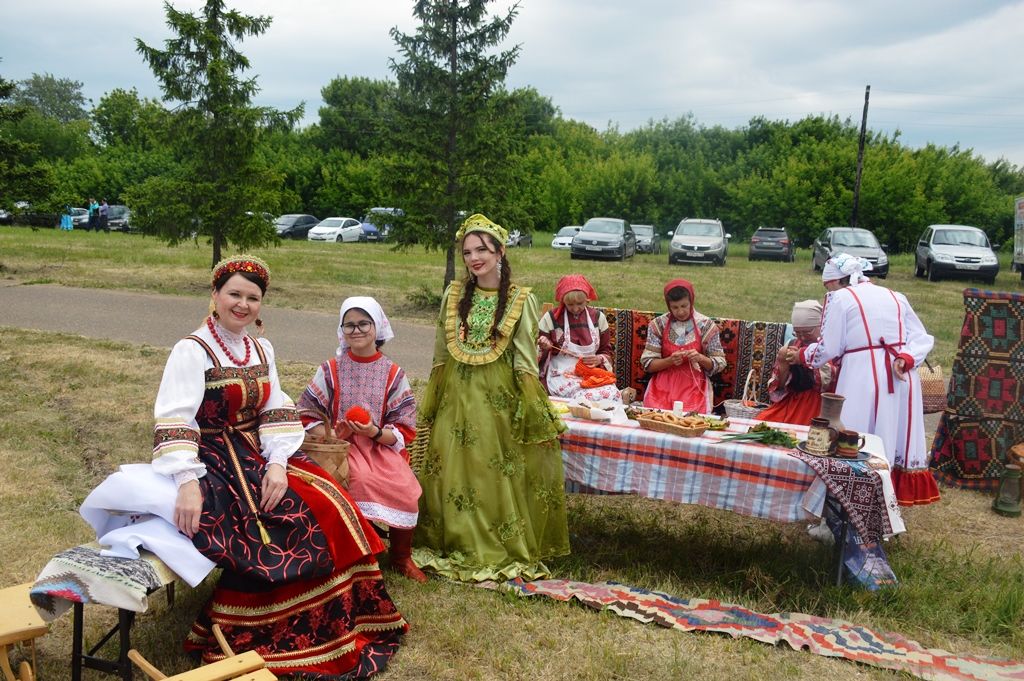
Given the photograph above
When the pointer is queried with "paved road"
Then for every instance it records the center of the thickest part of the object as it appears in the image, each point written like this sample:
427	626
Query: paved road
162	320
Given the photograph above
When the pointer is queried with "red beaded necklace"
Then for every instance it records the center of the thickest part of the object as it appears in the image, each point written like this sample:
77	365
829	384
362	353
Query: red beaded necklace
223	346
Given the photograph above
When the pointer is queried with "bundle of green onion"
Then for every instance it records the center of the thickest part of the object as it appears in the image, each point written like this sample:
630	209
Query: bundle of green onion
764	434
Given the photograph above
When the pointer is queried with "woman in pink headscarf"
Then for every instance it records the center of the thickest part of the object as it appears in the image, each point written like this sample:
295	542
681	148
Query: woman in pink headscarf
575	334
683	351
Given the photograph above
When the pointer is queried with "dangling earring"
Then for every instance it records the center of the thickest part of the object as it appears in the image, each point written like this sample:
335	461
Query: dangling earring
499	268
215	315
259	326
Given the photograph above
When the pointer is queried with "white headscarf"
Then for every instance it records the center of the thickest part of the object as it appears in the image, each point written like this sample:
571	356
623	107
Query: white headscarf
806	313
370	307
845	265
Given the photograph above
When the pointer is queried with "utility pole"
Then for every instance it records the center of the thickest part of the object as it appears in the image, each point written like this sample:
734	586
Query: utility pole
860	157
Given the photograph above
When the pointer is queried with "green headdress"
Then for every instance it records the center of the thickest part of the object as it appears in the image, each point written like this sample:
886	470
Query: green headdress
479	223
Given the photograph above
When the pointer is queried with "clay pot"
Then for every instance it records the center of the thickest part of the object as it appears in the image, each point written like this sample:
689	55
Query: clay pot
831	408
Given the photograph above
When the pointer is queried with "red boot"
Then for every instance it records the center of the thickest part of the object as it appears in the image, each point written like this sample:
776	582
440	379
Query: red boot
401	555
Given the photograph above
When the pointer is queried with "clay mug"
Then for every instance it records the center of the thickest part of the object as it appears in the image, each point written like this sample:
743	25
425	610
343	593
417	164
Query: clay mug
848	443
821	438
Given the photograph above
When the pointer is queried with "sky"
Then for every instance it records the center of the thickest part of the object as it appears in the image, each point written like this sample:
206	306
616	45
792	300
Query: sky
941	71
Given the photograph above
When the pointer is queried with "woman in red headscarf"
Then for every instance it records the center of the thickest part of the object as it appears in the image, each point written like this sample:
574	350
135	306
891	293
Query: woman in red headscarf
575	345
683	351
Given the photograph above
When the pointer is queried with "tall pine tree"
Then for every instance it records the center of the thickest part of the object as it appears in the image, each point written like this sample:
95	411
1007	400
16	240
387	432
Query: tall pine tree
453	145
220	188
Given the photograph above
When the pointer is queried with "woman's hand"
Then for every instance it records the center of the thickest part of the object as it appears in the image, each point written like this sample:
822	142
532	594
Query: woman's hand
188	508
544	343
369	429
899	367
275	484
592	360
782	355
343	430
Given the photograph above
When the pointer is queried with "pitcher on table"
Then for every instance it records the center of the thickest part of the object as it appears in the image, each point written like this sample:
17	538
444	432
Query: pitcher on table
683	351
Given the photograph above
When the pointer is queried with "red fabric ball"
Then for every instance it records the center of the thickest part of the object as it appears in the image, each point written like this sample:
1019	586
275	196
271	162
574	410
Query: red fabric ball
358	414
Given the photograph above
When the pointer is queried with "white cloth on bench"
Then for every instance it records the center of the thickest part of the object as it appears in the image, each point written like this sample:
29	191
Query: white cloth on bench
135	507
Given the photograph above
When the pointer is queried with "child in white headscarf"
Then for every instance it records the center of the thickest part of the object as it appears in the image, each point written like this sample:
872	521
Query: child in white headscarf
369	402
795	391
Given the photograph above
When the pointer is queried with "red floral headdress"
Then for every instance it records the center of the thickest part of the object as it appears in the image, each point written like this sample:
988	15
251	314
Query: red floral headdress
242	263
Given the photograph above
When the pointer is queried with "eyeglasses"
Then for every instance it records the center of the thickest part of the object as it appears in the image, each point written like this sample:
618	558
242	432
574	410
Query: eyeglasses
350	328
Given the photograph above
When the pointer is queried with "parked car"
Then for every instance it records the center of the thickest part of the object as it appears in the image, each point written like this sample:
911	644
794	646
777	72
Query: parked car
80	218
771	243
370	232
119	218
647	240
852	241
383	219
517	238
337	229
5	217
604	238
295	225
699	240
563	238
955	251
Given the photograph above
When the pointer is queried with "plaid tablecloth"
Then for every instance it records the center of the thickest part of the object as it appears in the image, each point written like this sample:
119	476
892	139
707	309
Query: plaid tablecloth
750	479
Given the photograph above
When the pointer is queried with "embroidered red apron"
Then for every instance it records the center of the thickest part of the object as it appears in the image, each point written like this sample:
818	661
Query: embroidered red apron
678	383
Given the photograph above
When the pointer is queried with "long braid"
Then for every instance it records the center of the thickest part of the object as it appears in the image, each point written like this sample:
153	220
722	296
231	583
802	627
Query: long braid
506	275
466	302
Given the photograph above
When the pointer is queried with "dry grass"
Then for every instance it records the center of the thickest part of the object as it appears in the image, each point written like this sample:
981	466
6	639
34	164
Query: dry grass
73	409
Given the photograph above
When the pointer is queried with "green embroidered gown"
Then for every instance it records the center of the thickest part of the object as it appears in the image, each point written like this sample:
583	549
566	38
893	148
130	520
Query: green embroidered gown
493	504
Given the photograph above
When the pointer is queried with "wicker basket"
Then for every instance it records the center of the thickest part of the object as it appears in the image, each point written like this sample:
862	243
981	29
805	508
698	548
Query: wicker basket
747	407
648	423
328	452
933	387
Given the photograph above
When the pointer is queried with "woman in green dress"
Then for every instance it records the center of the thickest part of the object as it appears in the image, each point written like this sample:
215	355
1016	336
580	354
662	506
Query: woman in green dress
493	504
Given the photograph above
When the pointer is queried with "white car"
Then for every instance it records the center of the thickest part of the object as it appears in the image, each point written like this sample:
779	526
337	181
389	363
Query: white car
337	229
563	240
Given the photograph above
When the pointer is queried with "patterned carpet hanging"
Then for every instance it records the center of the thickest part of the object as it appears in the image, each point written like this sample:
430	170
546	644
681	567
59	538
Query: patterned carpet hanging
819	635
984	415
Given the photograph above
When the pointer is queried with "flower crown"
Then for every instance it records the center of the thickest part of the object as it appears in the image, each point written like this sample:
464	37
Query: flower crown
242	263
480	223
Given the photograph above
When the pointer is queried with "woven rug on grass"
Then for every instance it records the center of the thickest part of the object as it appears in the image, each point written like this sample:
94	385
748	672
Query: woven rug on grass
819	635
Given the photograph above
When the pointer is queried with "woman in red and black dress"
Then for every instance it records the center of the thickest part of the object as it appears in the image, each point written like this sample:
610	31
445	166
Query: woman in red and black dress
300	583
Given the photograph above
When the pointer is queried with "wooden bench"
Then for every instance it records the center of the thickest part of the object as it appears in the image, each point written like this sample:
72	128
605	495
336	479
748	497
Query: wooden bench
81	576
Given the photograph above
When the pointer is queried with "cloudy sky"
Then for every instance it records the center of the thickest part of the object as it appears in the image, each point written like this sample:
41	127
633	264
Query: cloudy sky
941	71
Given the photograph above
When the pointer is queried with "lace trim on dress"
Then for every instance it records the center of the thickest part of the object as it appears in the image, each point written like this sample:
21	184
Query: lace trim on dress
472	347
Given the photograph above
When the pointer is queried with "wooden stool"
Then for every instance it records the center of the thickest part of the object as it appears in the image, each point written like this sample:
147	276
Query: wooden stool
19	623
247	666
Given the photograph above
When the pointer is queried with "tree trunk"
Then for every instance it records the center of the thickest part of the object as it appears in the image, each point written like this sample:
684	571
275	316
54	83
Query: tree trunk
216	249
449	265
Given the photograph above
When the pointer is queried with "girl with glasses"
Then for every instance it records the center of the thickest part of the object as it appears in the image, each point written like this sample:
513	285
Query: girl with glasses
370	404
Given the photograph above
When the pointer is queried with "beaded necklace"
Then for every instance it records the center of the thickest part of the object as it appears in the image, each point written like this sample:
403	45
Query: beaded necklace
224	346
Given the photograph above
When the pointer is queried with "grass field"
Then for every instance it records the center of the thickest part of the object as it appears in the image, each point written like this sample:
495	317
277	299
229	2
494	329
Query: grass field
72	409
316	276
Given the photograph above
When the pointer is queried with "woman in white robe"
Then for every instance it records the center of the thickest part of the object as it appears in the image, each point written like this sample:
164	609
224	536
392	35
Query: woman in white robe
880	340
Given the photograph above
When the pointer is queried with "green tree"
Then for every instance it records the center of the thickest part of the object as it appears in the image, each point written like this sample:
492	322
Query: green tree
22	177
457	151
354	115
57	98
220	187
122	118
